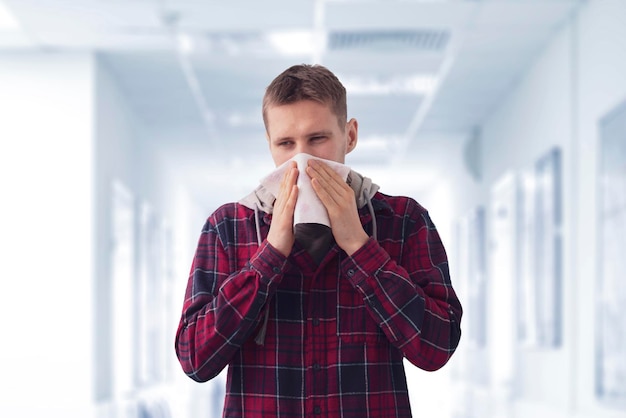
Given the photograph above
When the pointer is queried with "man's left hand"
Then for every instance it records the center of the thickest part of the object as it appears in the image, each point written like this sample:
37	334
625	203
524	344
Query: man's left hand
340	202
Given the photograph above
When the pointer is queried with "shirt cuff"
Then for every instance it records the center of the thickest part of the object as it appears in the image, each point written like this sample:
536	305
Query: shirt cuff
363	263
268	262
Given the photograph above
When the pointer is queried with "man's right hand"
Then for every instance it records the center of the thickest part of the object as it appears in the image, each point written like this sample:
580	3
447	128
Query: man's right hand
280	235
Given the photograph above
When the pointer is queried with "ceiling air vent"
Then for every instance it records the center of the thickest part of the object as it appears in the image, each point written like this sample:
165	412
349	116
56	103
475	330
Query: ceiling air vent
418	40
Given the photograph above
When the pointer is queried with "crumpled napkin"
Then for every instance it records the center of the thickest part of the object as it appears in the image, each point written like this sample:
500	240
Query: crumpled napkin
309	208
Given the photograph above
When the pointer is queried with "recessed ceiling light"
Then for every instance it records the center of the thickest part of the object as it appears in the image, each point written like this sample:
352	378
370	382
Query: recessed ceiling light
185	42
421	84
296	42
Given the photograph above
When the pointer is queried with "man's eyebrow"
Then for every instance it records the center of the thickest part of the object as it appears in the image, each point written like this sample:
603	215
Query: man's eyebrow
319	133
309	135
282	138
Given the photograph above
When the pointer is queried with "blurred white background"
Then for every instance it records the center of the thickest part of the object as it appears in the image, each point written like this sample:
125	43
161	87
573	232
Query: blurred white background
125	123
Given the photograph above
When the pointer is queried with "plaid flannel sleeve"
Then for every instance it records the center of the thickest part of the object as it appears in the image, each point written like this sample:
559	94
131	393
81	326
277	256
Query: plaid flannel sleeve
412	300
222	307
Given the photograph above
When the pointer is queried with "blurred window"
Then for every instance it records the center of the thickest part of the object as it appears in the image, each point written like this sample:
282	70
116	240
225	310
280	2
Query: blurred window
611	321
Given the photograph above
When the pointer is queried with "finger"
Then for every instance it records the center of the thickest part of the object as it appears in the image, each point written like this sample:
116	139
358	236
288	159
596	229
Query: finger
292	198
321	169
331	198
339	195
326	176
289	177
288	181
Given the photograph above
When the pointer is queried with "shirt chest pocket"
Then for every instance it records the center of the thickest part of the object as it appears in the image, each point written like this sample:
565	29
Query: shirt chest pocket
354	323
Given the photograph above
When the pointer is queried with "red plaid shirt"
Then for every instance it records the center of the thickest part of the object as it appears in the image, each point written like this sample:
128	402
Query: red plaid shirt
337	334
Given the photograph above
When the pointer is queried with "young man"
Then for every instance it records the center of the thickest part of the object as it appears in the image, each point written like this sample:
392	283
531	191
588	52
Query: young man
312	320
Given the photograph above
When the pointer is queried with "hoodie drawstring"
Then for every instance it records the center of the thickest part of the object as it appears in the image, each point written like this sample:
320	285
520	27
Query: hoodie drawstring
366	196
260	337
257	224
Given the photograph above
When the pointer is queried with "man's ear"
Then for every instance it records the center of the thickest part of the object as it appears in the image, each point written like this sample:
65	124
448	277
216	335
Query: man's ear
352	128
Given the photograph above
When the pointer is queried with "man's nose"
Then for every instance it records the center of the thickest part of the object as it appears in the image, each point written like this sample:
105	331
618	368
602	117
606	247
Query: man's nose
303	148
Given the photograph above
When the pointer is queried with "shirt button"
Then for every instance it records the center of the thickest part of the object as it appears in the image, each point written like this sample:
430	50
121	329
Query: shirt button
276	270
350	273
317	410
316	367
316	321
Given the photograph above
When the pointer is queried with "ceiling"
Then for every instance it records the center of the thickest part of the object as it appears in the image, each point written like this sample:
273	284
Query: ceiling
195	71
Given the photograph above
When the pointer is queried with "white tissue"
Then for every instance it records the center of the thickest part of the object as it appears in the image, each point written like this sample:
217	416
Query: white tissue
309	208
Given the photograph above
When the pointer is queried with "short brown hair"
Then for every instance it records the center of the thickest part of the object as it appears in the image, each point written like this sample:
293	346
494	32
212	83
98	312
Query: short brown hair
307	82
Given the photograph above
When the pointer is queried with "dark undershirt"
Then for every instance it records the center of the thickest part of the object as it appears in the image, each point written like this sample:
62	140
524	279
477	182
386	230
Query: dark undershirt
315	238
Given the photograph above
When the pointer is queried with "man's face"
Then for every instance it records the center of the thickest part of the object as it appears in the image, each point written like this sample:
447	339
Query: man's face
310	127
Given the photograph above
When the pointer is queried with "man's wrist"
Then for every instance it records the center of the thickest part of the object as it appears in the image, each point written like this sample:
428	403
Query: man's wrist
353	246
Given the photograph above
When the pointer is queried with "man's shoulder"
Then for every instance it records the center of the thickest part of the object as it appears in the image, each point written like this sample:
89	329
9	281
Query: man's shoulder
398	204
230	211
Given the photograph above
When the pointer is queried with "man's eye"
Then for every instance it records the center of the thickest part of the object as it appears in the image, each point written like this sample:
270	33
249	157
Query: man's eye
317	138
284	143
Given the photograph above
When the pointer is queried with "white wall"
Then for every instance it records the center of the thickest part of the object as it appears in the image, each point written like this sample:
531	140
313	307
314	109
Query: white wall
127	153
601	87
66	132
536	118
116	135
575	81
46	181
